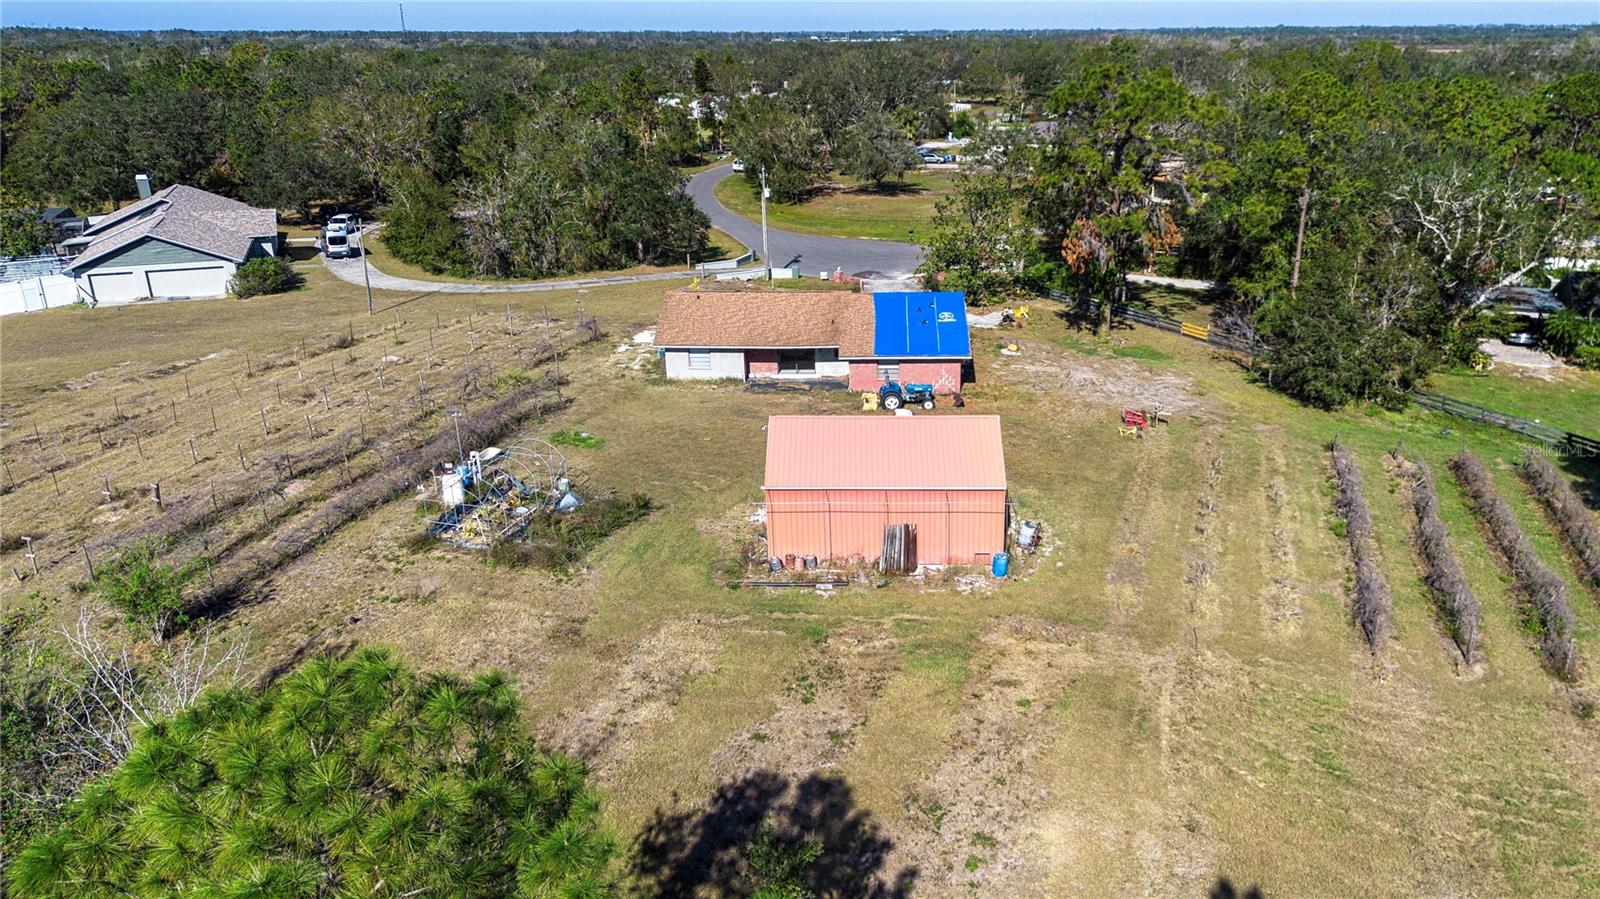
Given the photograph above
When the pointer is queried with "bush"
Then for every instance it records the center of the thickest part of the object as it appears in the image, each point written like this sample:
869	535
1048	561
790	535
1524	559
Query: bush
264	275
351	777
1572	518
1545	591
1569	333
1370	603
1442	572
778	867
420	226
146	589
575	437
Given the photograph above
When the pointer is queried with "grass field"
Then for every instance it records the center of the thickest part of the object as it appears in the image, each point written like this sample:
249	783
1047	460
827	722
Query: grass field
722	246
847	208
1171	695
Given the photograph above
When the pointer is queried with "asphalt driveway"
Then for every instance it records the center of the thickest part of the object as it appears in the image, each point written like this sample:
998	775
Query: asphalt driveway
810	253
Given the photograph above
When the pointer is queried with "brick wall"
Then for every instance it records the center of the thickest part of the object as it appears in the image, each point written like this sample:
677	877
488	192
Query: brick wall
760	362
944	376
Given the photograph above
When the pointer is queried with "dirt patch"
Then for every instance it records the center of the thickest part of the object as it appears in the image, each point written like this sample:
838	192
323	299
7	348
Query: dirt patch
645	690
1533	362
1103	380
821	710
1000	814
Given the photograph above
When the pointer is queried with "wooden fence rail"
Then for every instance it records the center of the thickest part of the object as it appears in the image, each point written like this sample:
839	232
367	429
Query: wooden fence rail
1562	441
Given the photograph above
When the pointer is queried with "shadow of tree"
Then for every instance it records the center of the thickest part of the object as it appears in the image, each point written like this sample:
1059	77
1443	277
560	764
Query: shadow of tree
1224	889
700	851
887	188
1080	317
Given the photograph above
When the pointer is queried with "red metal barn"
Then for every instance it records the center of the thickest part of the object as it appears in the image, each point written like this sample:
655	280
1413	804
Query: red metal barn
834	482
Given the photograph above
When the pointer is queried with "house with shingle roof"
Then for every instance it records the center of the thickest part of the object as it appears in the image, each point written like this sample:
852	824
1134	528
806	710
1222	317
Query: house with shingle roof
177	243
858	339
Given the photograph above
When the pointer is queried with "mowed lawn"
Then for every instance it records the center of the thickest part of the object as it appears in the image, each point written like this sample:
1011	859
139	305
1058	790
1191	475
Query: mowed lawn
846	207
1170	695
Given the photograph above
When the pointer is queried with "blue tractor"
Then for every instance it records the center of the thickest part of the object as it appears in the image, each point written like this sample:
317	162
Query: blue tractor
892	395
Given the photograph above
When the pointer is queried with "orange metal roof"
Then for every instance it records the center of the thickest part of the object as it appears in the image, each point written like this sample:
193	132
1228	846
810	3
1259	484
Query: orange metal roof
893	452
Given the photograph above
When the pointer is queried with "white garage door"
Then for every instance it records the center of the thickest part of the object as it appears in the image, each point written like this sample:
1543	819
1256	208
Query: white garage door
201	281
117	287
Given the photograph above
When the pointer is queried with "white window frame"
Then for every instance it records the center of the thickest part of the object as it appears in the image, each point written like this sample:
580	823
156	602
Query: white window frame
700	360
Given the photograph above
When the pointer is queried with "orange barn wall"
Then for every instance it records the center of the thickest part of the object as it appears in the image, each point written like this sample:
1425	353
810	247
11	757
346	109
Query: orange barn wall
957	527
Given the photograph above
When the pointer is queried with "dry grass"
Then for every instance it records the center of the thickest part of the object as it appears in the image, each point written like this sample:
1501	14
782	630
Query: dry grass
1106	725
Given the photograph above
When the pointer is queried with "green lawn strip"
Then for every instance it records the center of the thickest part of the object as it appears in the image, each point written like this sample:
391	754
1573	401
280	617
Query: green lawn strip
900	212
1570	401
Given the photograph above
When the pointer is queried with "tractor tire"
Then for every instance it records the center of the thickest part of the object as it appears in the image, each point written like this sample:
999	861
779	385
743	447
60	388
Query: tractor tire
892	402
927	404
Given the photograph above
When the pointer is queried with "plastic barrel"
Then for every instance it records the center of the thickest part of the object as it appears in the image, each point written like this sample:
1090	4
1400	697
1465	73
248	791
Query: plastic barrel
1002	564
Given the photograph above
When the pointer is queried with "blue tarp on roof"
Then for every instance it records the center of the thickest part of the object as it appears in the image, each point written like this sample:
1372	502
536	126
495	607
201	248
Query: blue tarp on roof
930	324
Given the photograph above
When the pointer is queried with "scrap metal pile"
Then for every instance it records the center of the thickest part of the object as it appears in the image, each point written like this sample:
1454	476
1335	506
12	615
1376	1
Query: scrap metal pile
497	492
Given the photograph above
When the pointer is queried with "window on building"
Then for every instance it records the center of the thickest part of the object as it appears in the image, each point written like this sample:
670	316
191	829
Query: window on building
799	362
699	358
888	371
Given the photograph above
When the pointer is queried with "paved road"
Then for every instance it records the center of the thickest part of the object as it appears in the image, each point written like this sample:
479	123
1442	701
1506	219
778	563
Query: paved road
812	254
350	270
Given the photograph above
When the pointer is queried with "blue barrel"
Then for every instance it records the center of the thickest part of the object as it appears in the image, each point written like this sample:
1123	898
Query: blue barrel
1002	563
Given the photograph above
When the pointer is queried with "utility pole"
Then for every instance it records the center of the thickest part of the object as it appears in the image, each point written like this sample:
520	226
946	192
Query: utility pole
766	260
361	244
402	17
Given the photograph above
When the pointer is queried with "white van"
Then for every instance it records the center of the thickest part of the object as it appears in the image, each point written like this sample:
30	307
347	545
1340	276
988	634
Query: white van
336	244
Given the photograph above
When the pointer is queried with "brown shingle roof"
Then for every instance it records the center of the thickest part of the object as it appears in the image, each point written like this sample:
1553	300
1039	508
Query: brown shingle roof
767	318
187	216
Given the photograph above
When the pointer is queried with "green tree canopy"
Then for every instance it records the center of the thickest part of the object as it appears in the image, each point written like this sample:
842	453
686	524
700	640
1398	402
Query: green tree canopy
353	777
1110	183
876	149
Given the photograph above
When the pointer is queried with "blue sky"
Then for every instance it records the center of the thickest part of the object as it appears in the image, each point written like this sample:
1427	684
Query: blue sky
781	15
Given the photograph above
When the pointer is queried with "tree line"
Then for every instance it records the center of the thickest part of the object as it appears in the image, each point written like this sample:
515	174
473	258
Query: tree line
1358	204
1359	191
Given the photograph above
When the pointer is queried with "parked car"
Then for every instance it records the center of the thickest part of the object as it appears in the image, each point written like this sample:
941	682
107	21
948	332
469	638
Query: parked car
1521	337
738	165
344	221
336	244
930	157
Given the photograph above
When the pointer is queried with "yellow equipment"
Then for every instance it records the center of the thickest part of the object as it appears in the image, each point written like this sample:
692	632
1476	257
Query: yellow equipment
869	402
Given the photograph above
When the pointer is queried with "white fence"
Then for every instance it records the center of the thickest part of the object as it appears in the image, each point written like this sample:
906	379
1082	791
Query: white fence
33	294
724	265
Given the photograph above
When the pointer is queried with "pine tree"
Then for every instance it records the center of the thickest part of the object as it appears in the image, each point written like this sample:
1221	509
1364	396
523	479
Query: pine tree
348	777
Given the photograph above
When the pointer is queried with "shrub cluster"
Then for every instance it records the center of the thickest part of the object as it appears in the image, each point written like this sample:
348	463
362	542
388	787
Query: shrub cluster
263	275
1573	519
1545	590
1370	604
1443	575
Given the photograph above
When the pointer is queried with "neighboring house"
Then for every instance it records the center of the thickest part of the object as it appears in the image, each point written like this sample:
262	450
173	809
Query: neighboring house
861	340
834	482
64	224
178	243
